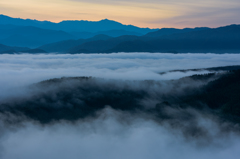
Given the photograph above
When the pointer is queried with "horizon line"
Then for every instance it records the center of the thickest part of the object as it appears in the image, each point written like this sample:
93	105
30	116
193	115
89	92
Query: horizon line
106	19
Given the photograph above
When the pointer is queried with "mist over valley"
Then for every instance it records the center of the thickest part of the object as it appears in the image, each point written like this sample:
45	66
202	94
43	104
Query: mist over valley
120	105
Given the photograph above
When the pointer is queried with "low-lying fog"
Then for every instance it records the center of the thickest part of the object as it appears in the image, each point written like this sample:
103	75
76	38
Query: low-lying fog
112	133
22	69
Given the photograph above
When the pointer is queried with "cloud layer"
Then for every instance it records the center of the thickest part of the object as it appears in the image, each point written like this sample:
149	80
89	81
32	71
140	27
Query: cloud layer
112	133
24	69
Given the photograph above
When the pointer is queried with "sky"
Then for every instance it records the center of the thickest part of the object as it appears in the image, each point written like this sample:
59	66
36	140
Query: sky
151	13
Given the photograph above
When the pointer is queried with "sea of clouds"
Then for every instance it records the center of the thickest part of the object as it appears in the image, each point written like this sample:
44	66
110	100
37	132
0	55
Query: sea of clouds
113	134
27	68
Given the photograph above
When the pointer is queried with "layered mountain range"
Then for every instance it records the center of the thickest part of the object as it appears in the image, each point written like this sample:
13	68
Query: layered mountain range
107	36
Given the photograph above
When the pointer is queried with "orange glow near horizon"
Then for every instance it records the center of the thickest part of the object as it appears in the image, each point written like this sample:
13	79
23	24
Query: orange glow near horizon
142	14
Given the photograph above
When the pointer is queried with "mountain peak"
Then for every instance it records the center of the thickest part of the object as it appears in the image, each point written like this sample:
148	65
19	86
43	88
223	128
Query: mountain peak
105	19
108	20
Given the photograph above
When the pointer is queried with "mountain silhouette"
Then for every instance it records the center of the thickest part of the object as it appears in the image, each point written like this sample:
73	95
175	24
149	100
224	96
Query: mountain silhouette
106	36
101	45
30	36
217	40
230	32
9	49
170	31
75	25
34	51
65	46
113	33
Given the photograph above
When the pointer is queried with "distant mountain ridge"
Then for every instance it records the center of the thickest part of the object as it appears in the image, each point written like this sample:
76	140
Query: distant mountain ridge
33	33
113	33
217	40
75	25
111	36
65	46
30	36
169	31
9	49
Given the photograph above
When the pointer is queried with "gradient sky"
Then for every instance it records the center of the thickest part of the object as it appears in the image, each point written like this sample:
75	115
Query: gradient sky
142	13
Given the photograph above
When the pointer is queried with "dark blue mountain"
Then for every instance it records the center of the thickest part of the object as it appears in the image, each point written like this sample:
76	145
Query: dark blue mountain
75	25
230	32
32	51
92	45
64	46
170	31
62	37
8	26
101	45
29	36
9	49
112	33
217	40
